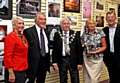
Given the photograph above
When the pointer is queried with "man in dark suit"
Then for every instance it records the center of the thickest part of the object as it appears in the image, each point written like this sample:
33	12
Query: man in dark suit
38	53
67	52
112	53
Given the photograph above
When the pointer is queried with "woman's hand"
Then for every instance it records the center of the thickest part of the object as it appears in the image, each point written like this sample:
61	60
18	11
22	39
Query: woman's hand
12	77
92	53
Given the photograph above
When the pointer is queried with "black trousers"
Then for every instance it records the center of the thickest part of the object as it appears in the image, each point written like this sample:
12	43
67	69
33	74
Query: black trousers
113	70
41	73
63	71
19	76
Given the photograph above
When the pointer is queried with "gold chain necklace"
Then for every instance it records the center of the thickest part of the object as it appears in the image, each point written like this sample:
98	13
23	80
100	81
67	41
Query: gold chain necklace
72	36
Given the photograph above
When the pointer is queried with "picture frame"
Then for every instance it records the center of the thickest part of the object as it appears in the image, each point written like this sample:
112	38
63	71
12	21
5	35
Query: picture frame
52	30
51	12
55	8
72	6
6	7
112	7
87	9
99	21
73	20
3	32
100	5
28	8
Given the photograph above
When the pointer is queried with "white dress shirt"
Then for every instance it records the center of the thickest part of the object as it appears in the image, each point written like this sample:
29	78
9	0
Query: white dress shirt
111	37
67	34
45	37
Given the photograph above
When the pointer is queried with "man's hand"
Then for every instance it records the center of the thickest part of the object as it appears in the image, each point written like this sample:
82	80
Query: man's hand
79	67
55	67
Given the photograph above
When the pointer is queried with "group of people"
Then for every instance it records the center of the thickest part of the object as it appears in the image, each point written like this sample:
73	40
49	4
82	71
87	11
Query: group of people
27	54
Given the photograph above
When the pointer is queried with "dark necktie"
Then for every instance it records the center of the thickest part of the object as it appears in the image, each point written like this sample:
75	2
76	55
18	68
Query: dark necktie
42	43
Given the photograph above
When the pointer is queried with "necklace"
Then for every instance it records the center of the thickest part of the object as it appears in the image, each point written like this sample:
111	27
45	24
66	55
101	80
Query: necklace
71	37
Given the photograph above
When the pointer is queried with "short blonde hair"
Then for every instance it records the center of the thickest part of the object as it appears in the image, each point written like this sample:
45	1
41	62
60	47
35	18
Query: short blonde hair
90	20
15	18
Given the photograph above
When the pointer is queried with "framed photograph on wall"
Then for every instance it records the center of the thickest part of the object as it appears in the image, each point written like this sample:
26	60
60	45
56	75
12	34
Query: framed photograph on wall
100	5
53	12
6	9
99	21
52	30
28	8
72	6
86	10
73	20
112	7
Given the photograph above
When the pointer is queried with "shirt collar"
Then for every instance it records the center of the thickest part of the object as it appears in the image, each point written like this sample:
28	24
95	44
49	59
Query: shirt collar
37	27
114	26
65	32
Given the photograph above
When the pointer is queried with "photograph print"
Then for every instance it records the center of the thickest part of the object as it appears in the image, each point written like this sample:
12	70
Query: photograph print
86	10
99	21
53	10
112	9
72	6
73	20
3	32
6	9
28	8
52	30
100	5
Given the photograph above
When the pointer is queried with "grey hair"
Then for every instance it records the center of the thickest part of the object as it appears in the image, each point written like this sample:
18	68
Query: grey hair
63	20
39	13
15	18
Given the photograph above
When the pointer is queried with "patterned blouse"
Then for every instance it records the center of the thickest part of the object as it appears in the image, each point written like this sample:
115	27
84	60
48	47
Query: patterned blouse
93	43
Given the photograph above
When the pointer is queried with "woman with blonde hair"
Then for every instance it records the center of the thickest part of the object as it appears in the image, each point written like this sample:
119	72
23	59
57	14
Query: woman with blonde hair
15	53
94	44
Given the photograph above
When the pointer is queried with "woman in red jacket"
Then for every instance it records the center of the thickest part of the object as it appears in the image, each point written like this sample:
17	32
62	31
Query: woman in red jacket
15	53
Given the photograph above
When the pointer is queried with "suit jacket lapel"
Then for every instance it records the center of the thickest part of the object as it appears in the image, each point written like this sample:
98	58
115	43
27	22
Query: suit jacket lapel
34	32
117	30
107	34
70	32
46	34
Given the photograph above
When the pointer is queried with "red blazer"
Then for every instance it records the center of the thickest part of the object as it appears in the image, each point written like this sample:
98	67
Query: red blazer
15	52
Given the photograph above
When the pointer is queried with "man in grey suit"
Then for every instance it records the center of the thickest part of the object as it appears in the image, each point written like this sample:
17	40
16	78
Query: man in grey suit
67	52
38	53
